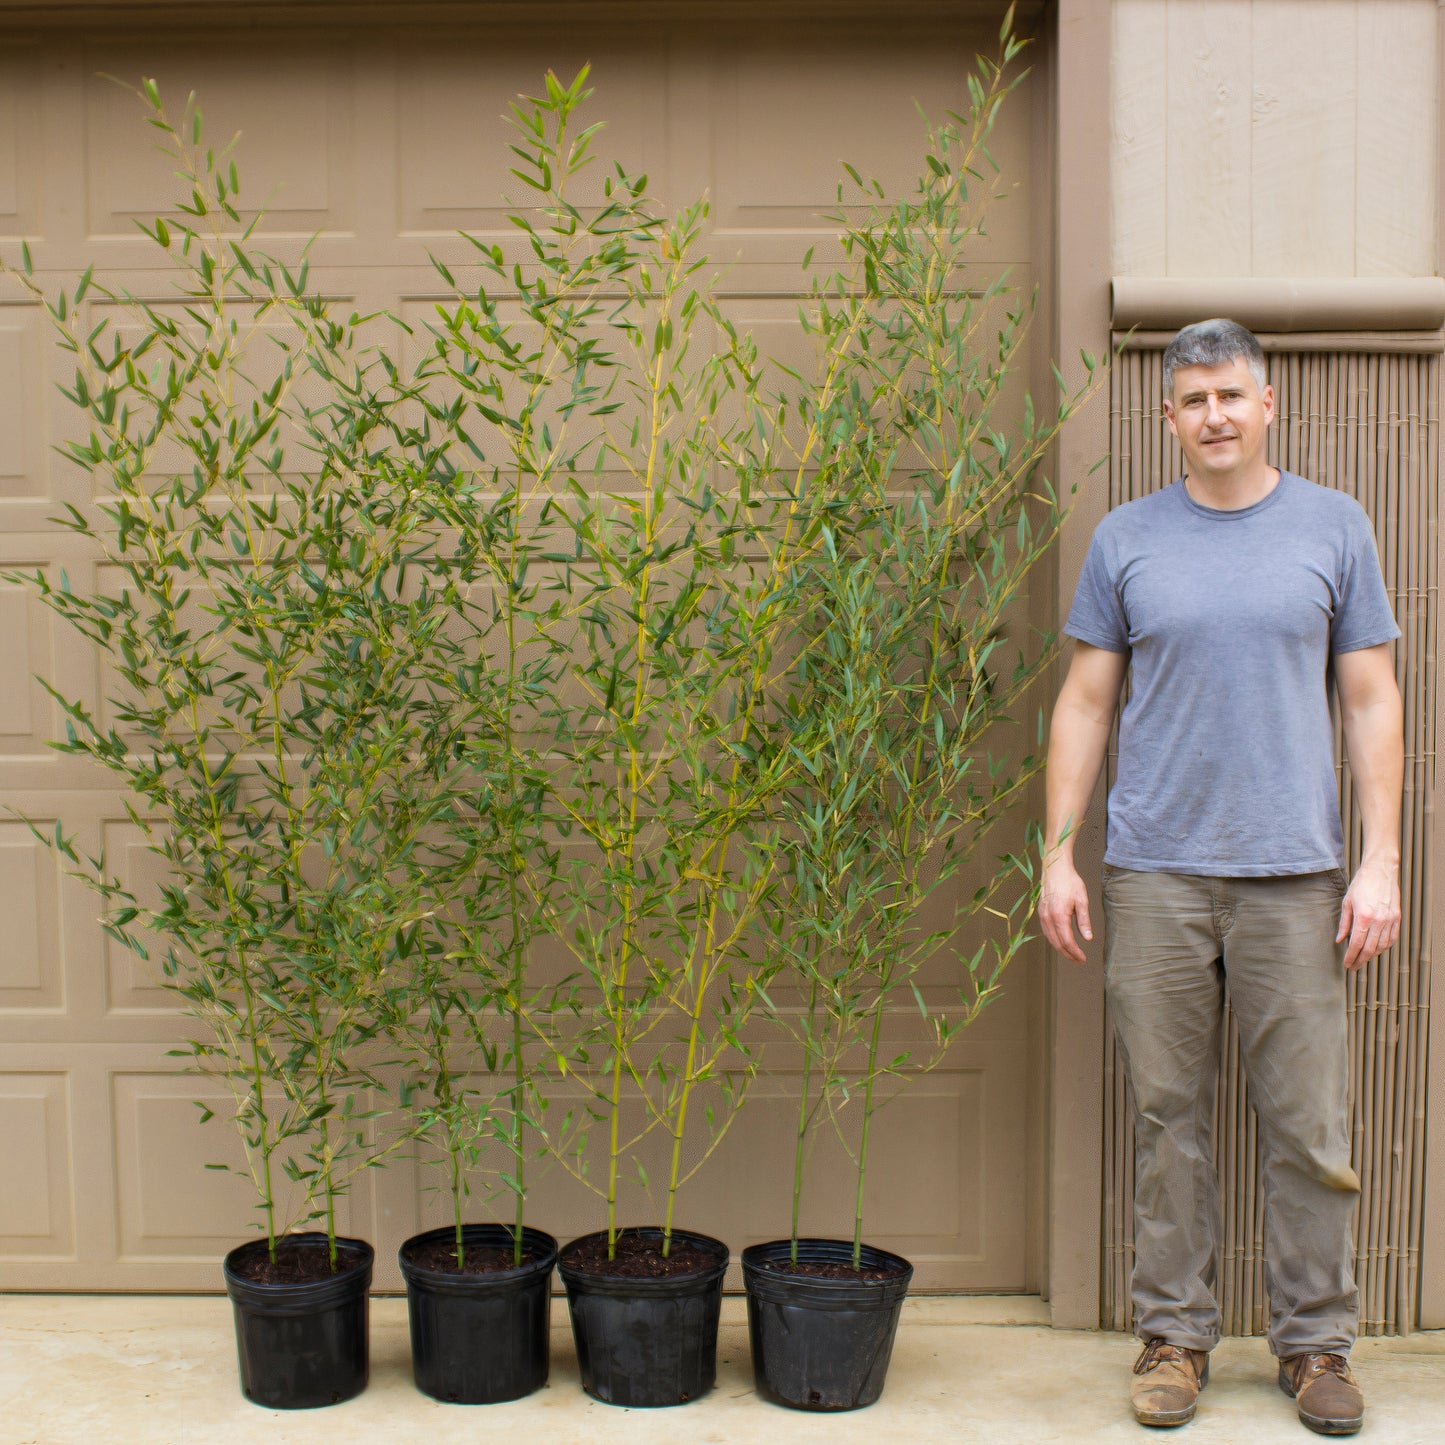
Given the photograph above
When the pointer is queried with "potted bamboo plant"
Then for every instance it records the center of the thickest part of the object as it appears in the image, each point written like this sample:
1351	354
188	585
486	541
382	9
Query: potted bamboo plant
608	393
478	1292
670	763
511	405
938	510
260	721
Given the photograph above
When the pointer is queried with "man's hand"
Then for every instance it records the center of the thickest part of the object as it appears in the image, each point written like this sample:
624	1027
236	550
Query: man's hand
1370	914
1063	899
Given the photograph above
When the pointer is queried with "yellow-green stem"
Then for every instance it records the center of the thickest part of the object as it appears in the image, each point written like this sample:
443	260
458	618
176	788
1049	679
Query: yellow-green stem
513	893
675	1169
873	1044
258	1079
798	1145
258	1076
615	1106
454	1162
323	1114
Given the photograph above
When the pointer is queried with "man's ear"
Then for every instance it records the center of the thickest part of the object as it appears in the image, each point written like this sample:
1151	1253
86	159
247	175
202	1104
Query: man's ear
1267	397
1169	416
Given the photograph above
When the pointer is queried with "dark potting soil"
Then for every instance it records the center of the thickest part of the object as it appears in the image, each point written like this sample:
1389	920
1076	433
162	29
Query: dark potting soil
296	1264
834	1269
641	1257
441	1255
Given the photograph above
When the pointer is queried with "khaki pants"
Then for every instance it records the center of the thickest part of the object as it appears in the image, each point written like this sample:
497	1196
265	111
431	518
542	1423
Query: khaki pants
1174	943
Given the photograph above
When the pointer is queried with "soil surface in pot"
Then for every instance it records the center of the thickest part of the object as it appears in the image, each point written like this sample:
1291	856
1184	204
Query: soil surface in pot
833	1269
297	1264
441	1255
641	1258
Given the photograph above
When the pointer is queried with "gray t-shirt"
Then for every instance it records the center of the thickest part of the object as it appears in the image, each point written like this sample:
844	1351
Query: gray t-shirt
1230	619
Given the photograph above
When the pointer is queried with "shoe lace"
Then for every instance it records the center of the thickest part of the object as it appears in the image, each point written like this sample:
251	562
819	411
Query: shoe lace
1325	1365
1157	1352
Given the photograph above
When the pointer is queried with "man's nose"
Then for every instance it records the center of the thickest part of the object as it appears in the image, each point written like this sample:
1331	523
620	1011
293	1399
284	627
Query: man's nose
1215	415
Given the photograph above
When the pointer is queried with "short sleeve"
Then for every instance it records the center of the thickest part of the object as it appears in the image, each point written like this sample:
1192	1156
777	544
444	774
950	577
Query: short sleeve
1097	616
1362	615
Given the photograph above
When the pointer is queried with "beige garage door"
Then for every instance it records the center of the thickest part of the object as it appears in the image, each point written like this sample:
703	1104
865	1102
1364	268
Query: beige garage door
386	140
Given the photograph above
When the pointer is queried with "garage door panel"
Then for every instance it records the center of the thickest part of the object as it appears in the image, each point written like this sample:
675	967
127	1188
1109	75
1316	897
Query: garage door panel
849	104
293	108
24	353
944	1106
854	102
559	1197
777	325
21	154
26	648
36	1214
1007	1018
452	122
132	982
170	1204
33	479
31	976
935	1189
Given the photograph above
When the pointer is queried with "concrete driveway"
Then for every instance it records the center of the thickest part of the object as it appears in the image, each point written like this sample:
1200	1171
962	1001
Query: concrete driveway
148	1370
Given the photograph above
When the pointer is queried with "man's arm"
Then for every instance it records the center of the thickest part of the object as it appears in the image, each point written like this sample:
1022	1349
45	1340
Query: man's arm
1374	723
1078	738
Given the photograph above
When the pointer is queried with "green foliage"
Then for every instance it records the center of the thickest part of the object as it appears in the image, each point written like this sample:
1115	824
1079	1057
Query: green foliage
637	633
262	511
592	632
927	464
513	387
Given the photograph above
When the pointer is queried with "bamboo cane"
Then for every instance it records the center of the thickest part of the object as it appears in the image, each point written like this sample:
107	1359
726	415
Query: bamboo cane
1425	748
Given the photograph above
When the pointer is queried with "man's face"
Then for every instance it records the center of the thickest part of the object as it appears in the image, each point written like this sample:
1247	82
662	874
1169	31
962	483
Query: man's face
1220	416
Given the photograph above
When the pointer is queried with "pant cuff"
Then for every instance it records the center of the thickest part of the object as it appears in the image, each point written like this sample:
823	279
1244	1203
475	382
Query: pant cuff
1185	1339
1287	1350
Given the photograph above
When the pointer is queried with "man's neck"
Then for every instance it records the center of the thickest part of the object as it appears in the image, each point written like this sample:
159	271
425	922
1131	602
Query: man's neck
1233	491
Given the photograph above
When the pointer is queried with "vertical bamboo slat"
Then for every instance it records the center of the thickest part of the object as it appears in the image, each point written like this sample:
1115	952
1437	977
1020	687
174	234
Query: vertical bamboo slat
1363	423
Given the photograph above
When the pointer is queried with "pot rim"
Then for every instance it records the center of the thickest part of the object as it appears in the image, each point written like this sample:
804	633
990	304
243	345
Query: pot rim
761	1282
618	1284
300	1296
473	1282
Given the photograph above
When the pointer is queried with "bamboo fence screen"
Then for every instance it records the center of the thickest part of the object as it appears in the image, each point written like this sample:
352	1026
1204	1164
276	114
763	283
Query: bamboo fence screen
1365	423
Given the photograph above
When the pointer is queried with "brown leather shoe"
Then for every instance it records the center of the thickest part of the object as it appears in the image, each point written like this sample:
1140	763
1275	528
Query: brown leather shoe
1167	1382
1329	1400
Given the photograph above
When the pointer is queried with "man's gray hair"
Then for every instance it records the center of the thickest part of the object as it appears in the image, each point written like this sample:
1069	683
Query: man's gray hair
1213	343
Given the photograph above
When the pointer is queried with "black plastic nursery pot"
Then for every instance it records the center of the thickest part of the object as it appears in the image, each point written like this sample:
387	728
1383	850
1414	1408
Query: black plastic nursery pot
643	1342
822	1344
302	1344
482	1337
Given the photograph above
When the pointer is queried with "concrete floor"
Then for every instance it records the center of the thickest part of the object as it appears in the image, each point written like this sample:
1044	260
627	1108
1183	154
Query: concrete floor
146	1370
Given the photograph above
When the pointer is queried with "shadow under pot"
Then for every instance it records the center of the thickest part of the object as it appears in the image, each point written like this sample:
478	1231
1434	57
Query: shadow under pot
301	1328
479	1335
645	1325
822	1334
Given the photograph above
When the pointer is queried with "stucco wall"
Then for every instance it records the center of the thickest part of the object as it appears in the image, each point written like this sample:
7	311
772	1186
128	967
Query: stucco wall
1274	137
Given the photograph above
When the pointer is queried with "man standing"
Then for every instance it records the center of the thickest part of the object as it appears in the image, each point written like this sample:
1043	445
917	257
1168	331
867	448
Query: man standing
1237	595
